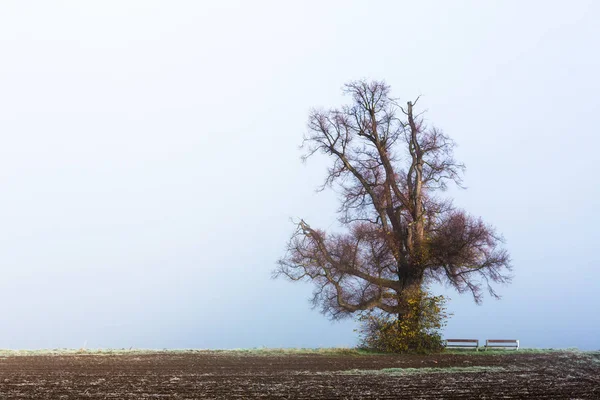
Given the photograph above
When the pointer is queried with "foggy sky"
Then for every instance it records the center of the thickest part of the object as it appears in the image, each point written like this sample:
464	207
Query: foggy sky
149	162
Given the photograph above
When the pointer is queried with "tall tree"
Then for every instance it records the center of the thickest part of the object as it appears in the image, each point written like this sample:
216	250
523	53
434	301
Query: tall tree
399	233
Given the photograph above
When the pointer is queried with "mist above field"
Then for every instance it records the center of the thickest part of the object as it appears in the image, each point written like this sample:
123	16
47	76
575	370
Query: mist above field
149	165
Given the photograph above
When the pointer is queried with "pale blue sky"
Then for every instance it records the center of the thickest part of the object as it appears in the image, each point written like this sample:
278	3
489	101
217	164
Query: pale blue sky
149	161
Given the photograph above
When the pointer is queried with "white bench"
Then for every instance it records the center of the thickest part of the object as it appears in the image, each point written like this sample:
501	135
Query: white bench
502	343
468	343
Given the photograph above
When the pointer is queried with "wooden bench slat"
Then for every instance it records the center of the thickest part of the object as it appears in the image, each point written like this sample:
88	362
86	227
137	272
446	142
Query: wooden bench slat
502	341
462	343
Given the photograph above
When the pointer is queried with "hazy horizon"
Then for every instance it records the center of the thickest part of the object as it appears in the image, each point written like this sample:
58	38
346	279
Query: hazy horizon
149	164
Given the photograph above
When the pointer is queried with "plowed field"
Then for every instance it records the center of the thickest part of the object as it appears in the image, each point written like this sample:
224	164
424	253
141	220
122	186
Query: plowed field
237	375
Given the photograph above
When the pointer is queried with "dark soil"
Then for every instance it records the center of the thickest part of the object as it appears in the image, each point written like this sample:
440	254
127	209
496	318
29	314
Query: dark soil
231	375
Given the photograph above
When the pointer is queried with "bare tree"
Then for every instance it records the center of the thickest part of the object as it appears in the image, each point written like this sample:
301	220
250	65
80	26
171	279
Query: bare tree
389	166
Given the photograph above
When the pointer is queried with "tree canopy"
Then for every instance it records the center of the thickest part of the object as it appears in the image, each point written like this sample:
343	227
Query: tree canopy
400	233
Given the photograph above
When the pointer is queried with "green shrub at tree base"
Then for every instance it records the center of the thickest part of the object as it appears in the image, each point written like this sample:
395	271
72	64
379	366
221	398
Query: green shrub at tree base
416	331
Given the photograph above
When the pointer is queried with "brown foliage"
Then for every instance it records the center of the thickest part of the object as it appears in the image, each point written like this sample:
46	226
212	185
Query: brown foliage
400	236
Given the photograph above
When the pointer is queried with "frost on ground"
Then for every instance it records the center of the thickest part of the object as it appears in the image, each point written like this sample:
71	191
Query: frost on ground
316	374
